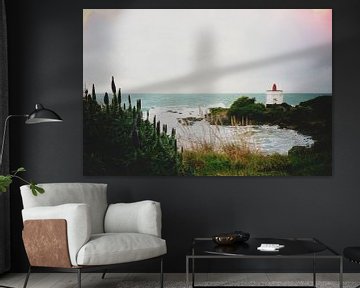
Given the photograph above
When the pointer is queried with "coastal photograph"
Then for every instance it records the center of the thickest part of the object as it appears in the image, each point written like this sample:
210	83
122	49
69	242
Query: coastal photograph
207	92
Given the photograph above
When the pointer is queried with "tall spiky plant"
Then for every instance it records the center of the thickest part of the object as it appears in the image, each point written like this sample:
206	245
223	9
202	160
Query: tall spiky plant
124	143
113	86
93	94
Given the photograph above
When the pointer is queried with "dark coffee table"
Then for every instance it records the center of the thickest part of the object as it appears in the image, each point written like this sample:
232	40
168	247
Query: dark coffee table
294	248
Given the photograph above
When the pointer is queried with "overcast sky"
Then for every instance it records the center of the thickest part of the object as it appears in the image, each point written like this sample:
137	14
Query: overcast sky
208	51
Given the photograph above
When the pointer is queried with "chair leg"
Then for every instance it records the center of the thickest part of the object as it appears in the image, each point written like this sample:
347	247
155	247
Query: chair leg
79	277
161	273
27	277
103	275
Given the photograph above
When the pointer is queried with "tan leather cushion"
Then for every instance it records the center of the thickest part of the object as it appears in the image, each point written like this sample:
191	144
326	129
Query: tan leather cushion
77	218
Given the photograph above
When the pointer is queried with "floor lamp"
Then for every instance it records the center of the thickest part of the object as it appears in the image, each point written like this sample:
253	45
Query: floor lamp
39	115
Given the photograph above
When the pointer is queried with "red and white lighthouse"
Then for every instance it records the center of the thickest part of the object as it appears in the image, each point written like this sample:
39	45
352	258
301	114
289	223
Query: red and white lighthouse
274	96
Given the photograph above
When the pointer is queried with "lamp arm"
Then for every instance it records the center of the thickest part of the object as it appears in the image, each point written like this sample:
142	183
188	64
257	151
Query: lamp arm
4	134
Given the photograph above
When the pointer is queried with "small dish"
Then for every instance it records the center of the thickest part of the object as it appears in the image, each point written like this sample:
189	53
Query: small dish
225	239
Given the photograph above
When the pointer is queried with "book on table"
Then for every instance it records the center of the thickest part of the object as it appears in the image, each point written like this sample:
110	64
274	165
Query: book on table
270	247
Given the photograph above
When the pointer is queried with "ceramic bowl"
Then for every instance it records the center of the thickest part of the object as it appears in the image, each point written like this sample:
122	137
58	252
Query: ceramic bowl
225	239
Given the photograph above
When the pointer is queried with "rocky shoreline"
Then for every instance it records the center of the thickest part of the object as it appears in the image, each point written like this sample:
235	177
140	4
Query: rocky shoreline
313	117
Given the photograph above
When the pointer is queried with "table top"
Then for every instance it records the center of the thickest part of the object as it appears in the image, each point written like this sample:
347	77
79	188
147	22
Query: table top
292	247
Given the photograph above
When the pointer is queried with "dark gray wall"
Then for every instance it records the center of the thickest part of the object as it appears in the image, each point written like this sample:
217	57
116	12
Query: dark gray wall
45	49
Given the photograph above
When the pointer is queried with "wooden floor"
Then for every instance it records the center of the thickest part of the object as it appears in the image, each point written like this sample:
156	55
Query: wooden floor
114	280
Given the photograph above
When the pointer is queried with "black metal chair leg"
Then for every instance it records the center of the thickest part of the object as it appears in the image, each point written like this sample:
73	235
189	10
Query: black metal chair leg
103	275
161	273
27	277
79	278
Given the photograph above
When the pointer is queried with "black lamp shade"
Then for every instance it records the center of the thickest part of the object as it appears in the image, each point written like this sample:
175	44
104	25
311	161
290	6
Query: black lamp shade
42	115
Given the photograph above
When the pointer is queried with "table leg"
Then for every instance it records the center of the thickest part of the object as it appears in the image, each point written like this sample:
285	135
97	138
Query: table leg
193	267
314	271
341	273
187	272
193	272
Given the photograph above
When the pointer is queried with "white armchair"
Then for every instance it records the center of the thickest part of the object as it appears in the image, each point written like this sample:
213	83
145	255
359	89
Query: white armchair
72	228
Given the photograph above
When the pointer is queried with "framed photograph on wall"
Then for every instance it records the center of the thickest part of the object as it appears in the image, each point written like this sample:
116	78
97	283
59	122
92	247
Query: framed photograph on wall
207	92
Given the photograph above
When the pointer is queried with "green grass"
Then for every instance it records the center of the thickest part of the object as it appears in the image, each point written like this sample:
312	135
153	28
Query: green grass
239	161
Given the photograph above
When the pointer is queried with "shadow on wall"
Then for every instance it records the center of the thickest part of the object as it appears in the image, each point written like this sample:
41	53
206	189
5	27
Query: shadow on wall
206	72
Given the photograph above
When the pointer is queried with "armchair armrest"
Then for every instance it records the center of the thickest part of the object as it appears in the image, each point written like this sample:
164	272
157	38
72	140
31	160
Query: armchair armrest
77	217
138	217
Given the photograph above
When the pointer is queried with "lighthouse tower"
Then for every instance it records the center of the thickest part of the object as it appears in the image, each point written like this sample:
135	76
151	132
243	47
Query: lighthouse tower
274	96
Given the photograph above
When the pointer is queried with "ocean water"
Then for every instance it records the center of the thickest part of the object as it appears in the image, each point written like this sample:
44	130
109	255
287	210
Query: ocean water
260	138
172	109
202	100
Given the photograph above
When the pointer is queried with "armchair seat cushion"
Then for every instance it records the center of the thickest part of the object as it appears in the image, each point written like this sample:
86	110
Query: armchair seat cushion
113	248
